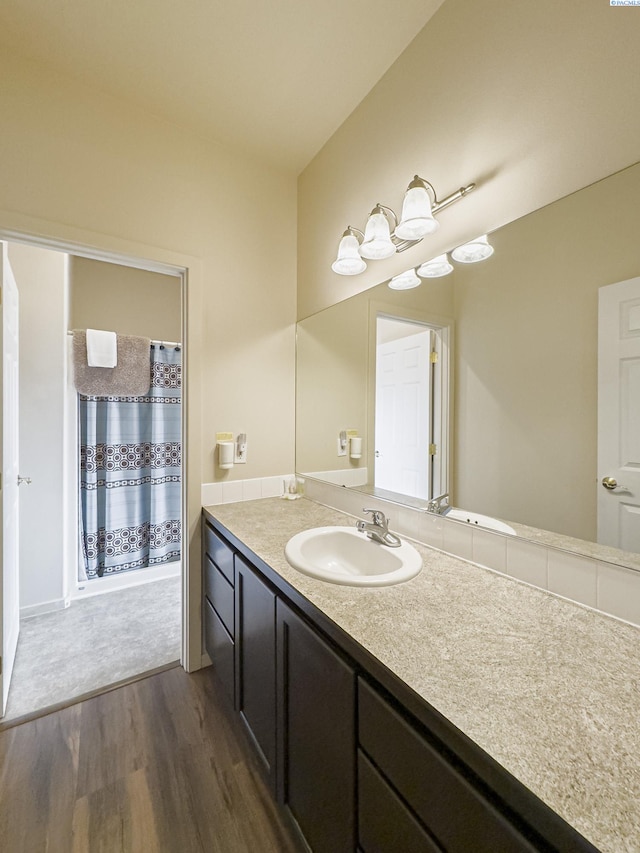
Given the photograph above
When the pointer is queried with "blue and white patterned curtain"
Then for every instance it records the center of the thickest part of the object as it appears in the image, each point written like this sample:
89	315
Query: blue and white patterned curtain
130	454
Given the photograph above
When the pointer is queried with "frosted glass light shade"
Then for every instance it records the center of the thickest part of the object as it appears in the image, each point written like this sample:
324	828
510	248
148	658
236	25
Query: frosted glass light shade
436	267
473	251
348	261
417	219
405	281
377	237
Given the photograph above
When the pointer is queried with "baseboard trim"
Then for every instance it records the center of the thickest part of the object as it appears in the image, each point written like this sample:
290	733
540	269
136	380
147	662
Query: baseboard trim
44	607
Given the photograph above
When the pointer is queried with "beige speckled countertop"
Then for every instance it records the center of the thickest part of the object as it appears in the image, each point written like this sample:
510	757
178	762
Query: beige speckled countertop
548	688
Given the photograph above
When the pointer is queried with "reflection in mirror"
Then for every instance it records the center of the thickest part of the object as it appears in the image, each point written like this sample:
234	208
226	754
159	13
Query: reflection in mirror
410	448
526	443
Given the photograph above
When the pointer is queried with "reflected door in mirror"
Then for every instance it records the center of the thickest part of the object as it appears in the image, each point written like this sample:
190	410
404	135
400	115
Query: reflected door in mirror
619	415
403	418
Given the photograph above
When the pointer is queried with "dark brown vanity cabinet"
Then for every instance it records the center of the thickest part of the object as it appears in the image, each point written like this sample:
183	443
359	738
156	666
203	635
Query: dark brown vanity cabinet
218	607
316	735
256	661
408	777
357	762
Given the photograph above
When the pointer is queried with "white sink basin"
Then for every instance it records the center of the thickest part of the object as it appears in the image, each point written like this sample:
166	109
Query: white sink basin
479	520
346	556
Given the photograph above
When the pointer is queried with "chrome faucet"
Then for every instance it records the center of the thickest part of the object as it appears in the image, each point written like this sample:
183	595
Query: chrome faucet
378	529
439	504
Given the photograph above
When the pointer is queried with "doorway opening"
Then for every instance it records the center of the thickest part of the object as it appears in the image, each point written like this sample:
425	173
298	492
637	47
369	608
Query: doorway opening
83	631
411	425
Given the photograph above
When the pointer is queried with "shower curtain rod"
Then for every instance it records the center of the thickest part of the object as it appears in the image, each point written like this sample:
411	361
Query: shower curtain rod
162	343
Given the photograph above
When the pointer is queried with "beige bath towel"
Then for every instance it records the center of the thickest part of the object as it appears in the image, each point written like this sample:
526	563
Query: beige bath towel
130	378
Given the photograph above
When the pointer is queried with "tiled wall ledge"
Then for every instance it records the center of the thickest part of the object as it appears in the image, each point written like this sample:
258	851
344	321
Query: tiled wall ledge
603	586
234	491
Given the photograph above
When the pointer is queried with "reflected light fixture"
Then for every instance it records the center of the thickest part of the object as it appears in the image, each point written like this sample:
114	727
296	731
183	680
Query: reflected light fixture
405	281
473	251
384	235
469	253
349	261
436	267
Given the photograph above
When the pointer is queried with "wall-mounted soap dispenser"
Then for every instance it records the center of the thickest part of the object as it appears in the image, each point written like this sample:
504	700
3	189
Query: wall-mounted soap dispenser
355	447
225	445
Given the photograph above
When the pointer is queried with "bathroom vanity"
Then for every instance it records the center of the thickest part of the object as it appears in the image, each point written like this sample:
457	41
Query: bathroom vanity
459	711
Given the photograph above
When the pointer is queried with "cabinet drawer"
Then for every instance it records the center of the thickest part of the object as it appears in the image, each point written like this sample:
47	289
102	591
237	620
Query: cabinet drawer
220	647
220	593
219	551
447	803
385	825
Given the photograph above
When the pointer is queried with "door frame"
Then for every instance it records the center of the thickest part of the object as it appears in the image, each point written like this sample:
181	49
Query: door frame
44	234
442	393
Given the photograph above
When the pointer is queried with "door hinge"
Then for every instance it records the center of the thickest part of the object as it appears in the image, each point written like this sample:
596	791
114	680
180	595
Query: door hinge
433	357
433	449
0	664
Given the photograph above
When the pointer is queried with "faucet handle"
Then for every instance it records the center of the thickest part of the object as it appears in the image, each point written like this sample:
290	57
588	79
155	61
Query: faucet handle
378	517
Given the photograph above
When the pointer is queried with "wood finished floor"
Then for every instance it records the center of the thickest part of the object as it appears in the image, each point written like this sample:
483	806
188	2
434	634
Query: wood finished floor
158	766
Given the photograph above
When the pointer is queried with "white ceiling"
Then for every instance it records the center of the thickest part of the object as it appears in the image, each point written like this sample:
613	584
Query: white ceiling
271	77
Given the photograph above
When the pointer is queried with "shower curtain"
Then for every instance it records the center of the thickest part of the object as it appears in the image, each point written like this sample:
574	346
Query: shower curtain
130	456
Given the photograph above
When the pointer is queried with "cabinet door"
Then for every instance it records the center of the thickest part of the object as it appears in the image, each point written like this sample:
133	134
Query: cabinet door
316	736
256	661
219	646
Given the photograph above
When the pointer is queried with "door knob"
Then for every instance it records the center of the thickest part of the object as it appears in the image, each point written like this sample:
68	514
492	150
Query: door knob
611	483
24	481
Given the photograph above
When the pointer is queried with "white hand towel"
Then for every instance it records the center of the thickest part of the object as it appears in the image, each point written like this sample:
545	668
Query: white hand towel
102	348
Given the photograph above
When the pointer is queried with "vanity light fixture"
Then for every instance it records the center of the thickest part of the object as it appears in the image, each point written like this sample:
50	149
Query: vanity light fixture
436	267
417	218
384	235
473	251
377	242
405	281
349	261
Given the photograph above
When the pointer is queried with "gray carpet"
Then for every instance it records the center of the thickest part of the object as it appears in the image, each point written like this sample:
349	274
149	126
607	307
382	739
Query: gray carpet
93	643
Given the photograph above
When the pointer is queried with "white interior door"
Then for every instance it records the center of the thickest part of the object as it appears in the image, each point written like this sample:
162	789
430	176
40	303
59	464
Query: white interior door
402	422
9	590
619	415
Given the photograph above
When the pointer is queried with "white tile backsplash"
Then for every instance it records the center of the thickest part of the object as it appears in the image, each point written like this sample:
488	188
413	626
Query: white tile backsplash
233	491
251	489
489	549
572	577
619	592
527	561
457	539
272	486
211	494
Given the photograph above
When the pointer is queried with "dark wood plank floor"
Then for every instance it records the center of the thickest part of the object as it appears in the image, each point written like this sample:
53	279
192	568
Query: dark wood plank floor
158	766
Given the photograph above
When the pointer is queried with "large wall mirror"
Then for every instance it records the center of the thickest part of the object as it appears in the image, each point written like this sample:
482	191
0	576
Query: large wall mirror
512	415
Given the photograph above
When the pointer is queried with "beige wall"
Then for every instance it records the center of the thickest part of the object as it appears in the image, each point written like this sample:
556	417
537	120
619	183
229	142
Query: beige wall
75	158
530	100
83	168
41	279
124	300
